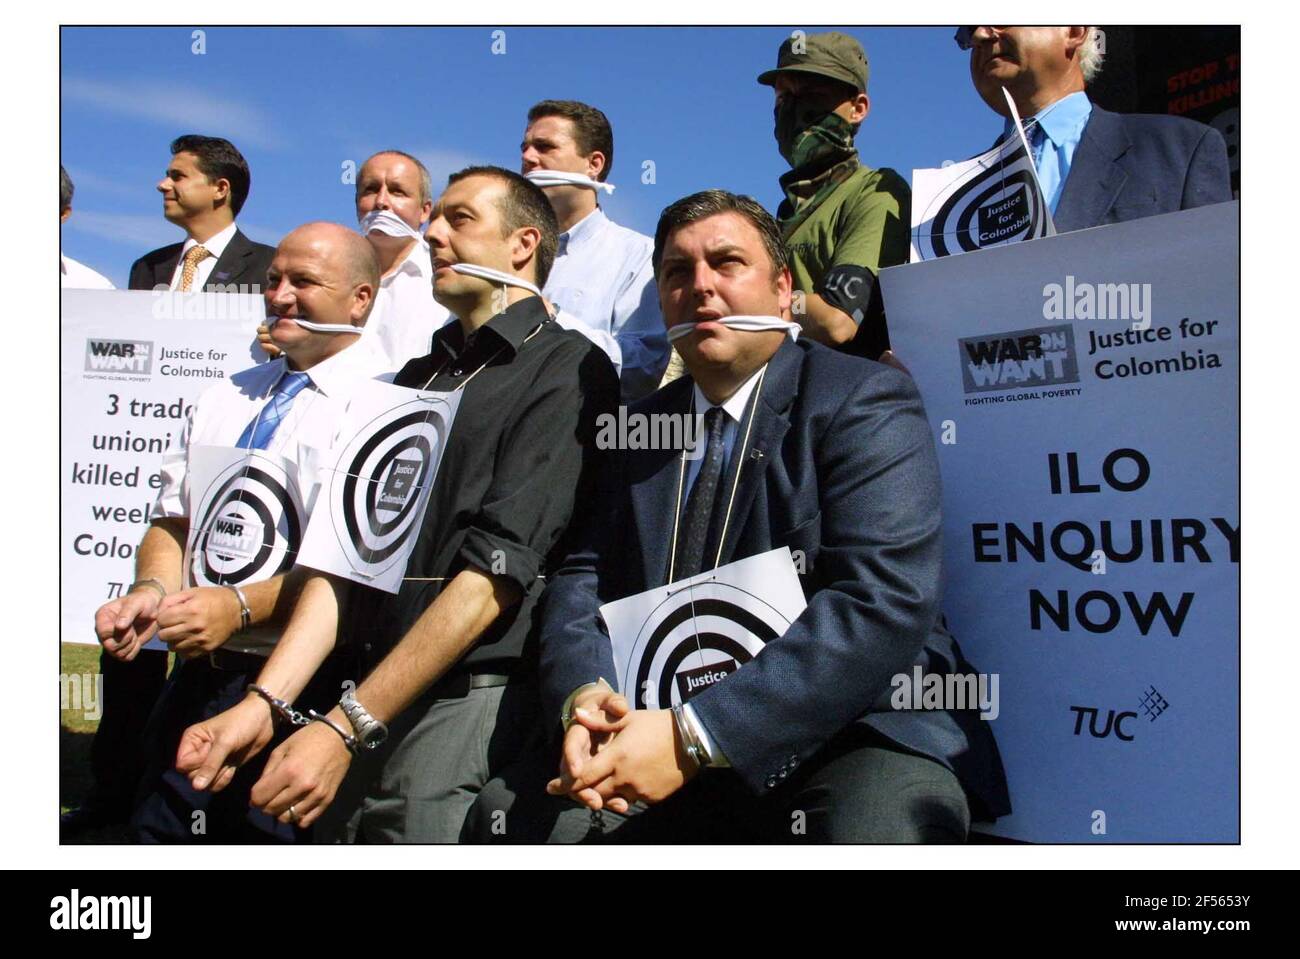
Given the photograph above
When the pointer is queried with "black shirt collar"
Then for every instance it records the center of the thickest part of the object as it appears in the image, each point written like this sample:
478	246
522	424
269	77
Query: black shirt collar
510	327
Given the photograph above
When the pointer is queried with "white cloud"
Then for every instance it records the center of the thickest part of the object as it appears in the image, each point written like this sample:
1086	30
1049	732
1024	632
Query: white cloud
181	108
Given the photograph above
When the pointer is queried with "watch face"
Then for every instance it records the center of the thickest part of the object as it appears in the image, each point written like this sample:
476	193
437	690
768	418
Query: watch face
374	736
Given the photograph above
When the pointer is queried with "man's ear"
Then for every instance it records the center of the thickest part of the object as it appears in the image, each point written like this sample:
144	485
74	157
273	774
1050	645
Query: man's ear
363	294
64	214
223	191
523	247
1074	37
426	211
861	107
596	164
784	290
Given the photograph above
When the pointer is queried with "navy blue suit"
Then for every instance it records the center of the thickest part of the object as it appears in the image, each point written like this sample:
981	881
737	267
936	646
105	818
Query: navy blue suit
841	465
1131	165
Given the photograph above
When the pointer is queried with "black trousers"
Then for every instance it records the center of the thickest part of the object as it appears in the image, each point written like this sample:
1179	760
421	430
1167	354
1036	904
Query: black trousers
860	788
167	808
117	752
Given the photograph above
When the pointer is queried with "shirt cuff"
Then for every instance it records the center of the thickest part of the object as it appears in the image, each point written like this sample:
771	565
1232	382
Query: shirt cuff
501	557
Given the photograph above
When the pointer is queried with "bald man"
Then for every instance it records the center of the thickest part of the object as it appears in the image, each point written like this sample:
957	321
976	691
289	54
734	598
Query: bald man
319	292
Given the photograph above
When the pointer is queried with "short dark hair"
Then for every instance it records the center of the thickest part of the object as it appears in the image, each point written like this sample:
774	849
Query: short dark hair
524	204
426	184
707	203
591	129
66	189
218	160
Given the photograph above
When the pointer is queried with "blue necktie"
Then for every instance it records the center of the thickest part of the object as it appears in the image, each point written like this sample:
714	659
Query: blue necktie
701	504
259	432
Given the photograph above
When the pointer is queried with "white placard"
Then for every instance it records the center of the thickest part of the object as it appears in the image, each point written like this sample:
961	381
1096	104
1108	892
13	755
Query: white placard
247	520
377	489
131	365
1083	393
673	642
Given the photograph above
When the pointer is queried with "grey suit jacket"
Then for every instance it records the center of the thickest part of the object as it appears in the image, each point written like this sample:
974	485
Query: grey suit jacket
1132	165
841	465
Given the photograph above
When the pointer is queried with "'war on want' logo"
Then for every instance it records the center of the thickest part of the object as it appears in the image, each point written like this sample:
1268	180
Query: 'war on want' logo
119	356
1043	356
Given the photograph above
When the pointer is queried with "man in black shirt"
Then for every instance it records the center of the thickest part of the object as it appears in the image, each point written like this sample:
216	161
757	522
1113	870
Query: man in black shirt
448	661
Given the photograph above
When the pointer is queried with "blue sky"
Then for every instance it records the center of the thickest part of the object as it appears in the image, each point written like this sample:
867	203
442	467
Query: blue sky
298	102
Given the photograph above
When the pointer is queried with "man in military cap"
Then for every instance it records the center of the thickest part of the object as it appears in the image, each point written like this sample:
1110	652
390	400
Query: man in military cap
842	221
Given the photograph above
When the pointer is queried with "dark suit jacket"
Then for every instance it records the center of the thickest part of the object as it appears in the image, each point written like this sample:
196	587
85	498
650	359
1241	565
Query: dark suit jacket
243	262
1131	165
848	475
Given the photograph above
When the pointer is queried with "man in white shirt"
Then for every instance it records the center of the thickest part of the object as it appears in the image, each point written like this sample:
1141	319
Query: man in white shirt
203	190
74	275
602	274
394	198
324	275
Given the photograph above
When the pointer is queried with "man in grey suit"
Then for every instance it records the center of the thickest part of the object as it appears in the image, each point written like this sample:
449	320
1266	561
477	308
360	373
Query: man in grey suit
823	452
203	190
1096	167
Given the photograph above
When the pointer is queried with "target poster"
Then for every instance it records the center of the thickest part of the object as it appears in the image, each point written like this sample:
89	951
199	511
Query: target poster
247	522
131	365
1083	396
987	201
376	491
673	642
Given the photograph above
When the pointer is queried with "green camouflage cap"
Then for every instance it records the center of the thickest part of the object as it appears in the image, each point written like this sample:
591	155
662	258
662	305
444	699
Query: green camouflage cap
833	55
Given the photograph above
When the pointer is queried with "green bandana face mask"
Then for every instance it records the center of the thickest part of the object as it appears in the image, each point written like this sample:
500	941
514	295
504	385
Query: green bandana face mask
809	136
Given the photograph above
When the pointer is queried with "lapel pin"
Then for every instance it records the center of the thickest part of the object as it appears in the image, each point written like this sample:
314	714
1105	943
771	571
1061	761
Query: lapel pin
756	454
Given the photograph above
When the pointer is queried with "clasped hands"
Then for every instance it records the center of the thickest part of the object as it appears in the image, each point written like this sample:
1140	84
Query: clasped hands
614	755
192	622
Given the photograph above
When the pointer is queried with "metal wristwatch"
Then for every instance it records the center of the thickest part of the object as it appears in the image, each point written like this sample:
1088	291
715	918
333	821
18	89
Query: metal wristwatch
370	731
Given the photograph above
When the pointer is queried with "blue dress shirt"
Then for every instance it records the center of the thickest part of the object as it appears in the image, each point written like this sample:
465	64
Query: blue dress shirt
1062	126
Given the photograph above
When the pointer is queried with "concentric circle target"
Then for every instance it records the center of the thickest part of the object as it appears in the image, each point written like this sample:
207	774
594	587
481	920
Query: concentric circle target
387	470
697	637
250	528
1001	202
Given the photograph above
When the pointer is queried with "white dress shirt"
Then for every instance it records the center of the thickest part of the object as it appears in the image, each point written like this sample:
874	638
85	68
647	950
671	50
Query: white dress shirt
216	245
734	408
406	315
78	276
602	276
313	424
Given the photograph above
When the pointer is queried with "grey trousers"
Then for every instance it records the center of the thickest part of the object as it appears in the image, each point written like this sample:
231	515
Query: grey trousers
859	789
419	786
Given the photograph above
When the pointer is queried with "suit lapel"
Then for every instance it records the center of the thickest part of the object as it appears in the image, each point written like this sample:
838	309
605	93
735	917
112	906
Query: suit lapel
770	416
654	479
230	266
165	267
1095	178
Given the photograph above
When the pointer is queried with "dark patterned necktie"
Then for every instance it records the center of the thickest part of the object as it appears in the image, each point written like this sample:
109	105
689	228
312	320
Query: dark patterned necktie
702	503
259	432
